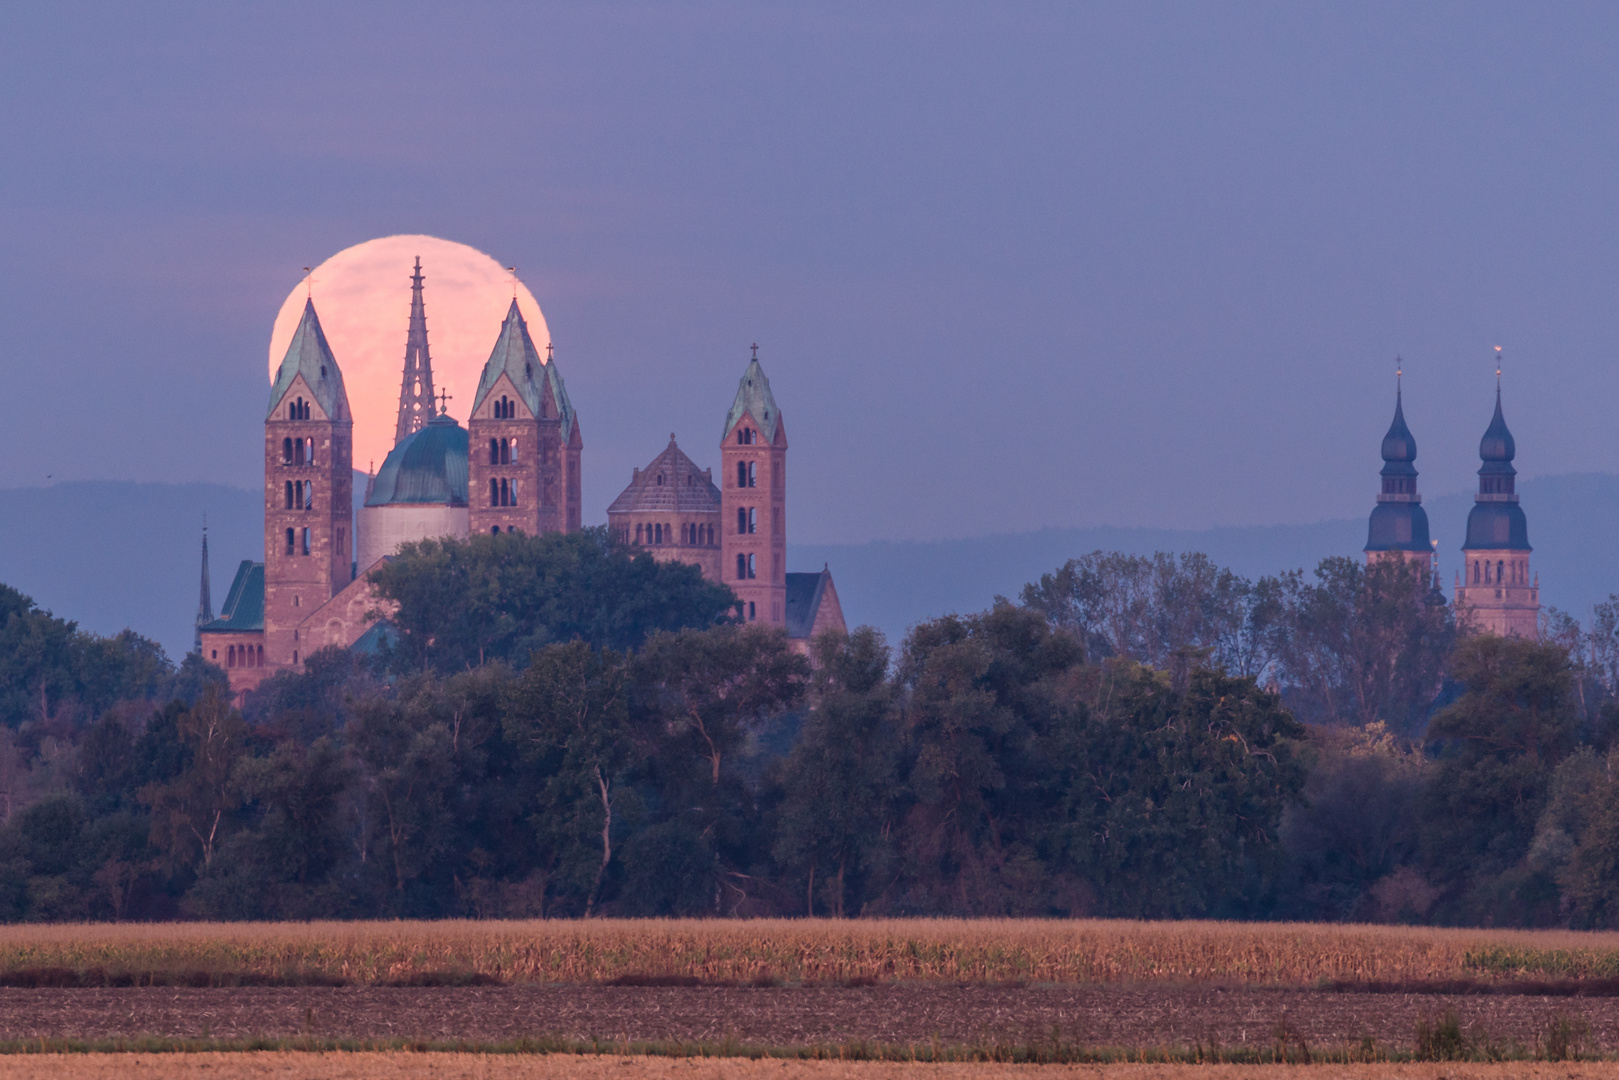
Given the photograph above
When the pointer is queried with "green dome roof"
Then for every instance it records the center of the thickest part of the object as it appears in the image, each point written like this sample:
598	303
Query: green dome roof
429	466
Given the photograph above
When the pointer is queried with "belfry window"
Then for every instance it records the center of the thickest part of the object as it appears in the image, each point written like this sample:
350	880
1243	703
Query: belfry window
505	451
753	611
741	567
292	540
753	473
494	492
289	494
306	541
753	569
494	451
286	451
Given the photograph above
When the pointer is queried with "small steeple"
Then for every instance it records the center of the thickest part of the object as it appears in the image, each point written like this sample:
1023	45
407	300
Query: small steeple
753	398
205	602
309	355
416	387
1398	522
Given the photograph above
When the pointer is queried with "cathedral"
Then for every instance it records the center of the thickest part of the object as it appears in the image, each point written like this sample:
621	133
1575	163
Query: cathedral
515	467
1495	591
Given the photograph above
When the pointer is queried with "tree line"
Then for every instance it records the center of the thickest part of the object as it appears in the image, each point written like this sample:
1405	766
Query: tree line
562	727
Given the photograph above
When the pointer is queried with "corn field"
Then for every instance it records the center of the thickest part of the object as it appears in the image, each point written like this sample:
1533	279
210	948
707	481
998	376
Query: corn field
975	951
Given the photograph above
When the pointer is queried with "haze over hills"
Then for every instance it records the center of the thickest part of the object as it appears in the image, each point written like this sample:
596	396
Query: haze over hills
111	554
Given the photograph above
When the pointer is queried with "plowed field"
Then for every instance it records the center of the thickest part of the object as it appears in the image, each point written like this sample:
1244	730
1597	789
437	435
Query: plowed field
1112	1015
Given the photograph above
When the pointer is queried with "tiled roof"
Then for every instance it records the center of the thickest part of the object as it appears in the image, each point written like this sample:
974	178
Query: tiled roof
753	398
514	355
243	609
671	483
309	355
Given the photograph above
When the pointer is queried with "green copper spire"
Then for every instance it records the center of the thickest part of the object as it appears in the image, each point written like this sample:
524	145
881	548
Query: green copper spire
753	398
309	355
515	356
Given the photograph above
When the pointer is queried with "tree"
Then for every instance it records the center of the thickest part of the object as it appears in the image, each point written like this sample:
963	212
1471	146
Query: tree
1364	643
717	685
1496	747
839	781
463	603
570	711
189	811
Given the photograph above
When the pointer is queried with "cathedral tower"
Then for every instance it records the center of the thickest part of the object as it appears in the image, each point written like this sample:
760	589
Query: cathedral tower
1399	525
416	389
525	446
753	500
1495	586
308	476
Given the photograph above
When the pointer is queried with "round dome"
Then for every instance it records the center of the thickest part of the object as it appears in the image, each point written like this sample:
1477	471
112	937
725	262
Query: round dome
1496	526
362	295
429	466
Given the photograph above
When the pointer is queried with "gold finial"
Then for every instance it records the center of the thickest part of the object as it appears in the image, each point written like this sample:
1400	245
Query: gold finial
1498	367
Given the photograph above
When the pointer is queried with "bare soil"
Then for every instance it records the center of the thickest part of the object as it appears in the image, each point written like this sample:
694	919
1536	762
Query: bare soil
1093	1016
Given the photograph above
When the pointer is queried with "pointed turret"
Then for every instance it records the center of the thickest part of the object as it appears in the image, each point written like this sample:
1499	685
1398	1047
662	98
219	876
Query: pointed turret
526	444
1398	522
753	398
205	601
416	387
308	355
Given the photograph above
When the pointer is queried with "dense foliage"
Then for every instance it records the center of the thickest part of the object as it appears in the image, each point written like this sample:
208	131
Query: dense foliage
564	729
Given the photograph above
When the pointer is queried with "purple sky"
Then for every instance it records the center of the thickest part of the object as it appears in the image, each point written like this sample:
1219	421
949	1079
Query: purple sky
1008	266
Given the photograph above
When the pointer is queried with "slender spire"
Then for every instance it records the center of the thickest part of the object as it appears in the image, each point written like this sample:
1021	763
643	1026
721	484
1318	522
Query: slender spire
205	602
416	388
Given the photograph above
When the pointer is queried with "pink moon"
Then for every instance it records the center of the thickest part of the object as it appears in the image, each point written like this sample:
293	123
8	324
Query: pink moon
362	295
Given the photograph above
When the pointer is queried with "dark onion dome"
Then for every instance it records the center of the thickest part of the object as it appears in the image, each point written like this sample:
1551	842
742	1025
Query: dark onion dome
1497	522
1398	521
429	466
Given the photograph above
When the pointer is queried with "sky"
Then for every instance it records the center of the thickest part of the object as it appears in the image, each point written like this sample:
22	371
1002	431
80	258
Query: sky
1008	265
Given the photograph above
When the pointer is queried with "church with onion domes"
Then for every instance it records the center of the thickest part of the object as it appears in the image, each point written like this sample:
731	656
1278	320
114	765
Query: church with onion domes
516	467
1495	590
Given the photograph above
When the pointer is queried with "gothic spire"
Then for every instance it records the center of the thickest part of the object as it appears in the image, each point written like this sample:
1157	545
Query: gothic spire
205	603
416	388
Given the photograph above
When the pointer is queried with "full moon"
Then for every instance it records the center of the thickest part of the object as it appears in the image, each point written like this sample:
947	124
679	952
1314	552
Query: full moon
362	295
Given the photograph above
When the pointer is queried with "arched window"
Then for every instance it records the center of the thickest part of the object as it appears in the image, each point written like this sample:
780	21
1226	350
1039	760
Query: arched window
286	451
298	452
230	656
753	569
753	519
514	492
495	531
309	494
258	656
505	451
660	479
741	567
494	451
742	474
309	458
638	528
1500	567
291	541
306	541
753	474
741	521
511	444
753	611
494	492
289	494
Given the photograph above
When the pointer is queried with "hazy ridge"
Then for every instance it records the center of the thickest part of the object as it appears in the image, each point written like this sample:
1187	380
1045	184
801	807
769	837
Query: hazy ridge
111	554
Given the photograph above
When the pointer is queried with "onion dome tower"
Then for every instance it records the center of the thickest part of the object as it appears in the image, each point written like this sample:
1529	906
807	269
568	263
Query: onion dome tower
1399	525
1495	587
671	508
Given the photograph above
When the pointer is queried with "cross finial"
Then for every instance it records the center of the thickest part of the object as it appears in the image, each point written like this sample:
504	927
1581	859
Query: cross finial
512	270
309	282
756	350
548	348
443	402
1498	367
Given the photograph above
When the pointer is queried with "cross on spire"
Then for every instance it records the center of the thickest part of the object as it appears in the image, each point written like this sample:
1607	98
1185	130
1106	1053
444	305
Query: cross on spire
756	350
548	348
309	283
512	270
443	402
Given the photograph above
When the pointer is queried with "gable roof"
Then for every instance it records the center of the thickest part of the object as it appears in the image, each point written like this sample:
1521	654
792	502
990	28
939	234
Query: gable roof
753	398
243	609
804	595
671	482
515	356
309	355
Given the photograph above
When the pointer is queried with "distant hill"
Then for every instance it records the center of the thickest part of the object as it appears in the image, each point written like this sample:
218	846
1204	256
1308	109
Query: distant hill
1573	526
116	554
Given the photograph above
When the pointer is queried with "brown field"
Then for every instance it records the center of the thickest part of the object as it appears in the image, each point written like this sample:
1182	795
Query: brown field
388	1066
797	951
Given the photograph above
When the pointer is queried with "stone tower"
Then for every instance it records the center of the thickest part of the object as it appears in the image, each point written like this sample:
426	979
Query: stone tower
672	508
525	446
753	500
1399	526
308	476
416	389
1495	588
